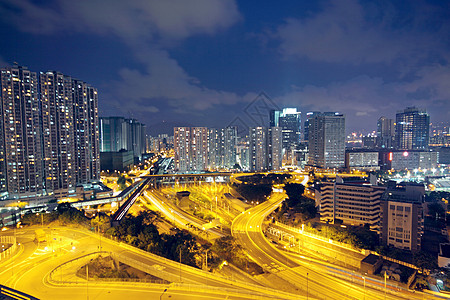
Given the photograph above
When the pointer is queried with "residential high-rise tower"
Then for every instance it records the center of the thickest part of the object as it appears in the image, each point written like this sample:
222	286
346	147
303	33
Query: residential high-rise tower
20	134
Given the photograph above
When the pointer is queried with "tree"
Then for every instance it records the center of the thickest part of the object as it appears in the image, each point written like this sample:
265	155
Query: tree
102	222
436	211
294	191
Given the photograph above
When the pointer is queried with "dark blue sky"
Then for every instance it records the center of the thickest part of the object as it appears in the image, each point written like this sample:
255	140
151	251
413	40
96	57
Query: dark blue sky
203	62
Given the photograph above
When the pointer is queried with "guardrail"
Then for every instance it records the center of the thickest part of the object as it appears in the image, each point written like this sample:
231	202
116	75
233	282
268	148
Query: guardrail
8	239
53	276
15	294
321	238
268	292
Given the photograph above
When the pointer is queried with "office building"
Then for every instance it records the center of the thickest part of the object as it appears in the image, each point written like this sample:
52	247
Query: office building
402	221
20	134
289	119
327	140
118	133
120	161
412	129
111	137
410	160
385	132
309	116
362	160
352	202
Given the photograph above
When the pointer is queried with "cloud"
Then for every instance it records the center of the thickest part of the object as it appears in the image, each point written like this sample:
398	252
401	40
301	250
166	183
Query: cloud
3	62
364	99
149	28
345	31
164	82
130	20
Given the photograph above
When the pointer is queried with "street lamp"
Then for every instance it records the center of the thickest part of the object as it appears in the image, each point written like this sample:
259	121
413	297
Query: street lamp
160	297
364	278
42	219
306	285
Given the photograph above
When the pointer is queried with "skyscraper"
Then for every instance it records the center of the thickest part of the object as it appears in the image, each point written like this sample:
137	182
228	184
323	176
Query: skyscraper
229	145
117	133
327	140
182	147
87	132
58	130
309	116
199	148
215	148
385	132
274	148
258	149
412	129
70	131
111	137
289	119
191	148
51	146
265	148
20	134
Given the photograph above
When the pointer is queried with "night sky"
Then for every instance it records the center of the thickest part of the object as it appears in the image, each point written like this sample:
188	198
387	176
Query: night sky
203	62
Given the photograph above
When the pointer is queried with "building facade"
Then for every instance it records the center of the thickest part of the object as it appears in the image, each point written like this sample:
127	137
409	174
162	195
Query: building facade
327	140
412	131
70	131
20	134
361	160
385	132
289	119
191	148
118	133
258	149
402	221
275	148
49	133
356	203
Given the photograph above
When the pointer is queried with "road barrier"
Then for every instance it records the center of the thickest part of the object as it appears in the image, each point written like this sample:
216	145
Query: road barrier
11	240
15	294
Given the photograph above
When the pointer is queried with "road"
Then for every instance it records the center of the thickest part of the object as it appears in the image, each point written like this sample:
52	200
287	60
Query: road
179	217
28	271
311	280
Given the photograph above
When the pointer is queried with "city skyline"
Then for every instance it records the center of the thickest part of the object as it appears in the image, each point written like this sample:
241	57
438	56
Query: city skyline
203	63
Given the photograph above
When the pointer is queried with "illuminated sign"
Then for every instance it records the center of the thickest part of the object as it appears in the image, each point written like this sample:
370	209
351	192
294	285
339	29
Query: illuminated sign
390	156
405	154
